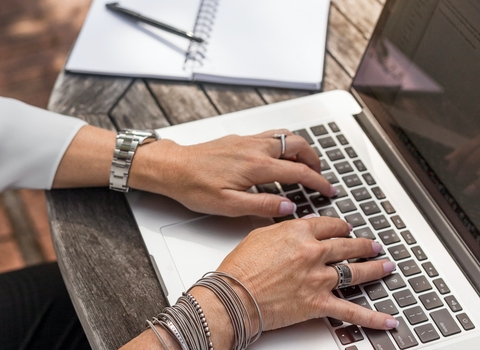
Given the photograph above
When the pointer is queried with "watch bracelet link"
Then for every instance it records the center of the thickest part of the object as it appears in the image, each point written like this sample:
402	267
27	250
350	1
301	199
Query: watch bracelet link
126	145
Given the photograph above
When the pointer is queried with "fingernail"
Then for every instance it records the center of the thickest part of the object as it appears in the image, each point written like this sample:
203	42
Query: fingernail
313	215
287	208
377	247
389	266
333	191
350	227
391	323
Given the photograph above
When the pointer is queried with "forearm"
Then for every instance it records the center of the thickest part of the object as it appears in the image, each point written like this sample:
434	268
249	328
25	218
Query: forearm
87	161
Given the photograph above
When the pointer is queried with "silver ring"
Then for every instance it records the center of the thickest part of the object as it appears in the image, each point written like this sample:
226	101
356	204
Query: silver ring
282	138
344	275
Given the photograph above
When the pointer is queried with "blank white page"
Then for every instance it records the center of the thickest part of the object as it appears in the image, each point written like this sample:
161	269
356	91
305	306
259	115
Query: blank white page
266	41
111	44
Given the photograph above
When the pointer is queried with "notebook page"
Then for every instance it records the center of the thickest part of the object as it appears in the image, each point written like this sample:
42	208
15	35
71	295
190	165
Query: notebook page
269	42
114	45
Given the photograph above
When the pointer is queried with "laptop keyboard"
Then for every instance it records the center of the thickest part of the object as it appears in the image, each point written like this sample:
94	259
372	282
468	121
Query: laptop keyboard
415	294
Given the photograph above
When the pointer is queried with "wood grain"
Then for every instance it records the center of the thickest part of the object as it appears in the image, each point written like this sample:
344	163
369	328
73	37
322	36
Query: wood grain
228	99
363	14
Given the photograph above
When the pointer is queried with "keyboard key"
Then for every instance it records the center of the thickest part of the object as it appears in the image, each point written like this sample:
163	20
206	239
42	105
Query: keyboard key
327	142
343	167
268	188
403	336
426	333
341	191
348	335
409	268
284	218
335	154
342	139
304	133
317	151
430	269
465	321
331	178
441	286
398	222
386	306
320	201
351	152
388	207
404	298
346	205
370	208
364	233
378	193
297	197
352	347
375	291
361	194
304	210
415	315
420	284
331	212
352	180
319	130
362	301
379	222
309	190
369	179
419	254
324	165
399	252
359	165
453	303
334	322
431	300
355	219
355	333
445	322
389	237
333	126
379	339
351	291
394	281
408	237
289	187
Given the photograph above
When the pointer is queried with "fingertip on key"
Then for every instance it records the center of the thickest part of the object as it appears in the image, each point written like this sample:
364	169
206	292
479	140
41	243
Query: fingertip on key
391	323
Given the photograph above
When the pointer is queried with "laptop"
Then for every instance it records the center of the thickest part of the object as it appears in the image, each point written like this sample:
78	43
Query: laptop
402	148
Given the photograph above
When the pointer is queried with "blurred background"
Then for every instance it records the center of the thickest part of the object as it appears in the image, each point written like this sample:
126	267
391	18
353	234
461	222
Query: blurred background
35	39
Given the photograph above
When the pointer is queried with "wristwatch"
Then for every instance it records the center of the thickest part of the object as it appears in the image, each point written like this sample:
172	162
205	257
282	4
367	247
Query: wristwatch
127	142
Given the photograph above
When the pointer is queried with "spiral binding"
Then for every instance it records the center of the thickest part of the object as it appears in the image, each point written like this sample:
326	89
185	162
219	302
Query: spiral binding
203	27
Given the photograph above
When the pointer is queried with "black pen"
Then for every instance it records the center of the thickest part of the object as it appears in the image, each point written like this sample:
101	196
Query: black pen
115	6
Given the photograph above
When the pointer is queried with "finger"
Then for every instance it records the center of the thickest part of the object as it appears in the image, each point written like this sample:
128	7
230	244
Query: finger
347	311
261	204
343	249
371	270
287	172
325	227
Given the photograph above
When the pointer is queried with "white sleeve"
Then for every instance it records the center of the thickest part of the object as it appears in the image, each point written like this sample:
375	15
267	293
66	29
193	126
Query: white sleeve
32	144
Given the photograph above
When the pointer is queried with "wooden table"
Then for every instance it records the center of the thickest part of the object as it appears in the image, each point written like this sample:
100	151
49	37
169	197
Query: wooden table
98	245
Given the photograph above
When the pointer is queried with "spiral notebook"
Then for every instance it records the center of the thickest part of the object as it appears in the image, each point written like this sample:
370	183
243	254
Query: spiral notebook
277	43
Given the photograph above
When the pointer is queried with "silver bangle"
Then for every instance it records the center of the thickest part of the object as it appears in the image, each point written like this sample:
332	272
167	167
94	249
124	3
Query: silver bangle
157	334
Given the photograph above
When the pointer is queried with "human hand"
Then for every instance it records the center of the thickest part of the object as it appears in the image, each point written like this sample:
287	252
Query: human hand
213	177
286	268
465	163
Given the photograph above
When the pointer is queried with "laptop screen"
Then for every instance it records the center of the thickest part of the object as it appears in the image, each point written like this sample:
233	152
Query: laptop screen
420	77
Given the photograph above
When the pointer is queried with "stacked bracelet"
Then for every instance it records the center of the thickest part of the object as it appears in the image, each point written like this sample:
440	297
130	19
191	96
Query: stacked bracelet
186	322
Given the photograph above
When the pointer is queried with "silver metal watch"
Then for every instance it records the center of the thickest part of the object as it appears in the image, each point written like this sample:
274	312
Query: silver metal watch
127	142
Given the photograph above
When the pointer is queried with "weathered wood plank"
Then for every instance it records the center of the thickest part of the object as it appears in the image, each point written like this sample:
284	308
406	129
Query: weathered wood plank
272	95
75	93
363	14
232	98
182	102
102	255
335	76
345	43
138	109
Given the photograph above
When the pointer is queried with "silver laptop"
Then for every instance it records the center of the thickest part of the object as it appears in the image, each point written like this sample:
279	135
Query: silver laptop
400	147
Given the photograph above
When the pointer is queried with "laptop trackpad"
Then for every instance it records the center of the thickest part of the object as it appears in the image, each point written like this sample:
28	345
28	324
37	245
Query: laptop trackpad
199	245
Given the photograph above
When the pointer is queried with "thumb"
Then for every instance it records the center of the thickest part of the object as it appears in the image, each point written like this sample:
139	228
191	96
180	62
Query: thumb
262	204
